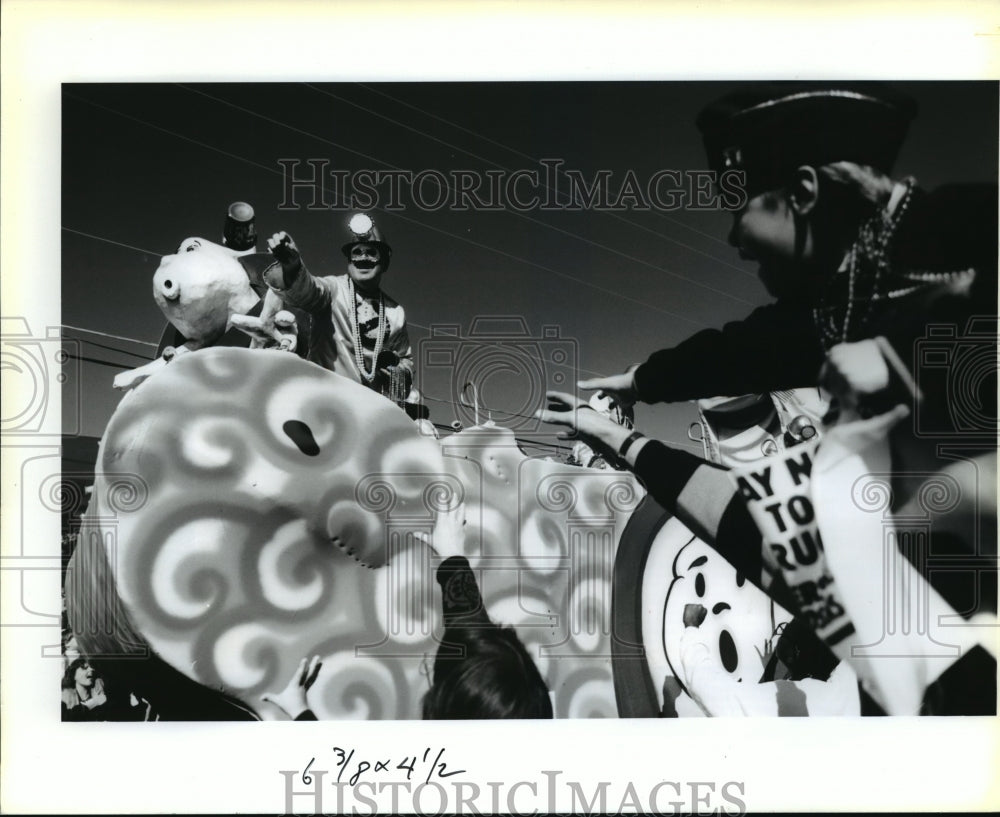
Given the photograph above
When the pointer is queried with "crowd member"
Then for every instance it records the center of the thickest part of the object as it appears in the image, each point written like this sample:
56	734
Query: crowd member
481	670
808	679
698	492
860	265
87	696
357	329
292	700
703	497
83	695
851	255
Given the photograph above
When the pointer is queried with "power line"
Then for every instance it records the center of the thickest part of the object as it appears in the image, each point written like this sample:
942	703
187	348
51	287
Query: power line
172	133
530	158
401	217
546	225
519	440
99	362
543	224
113	365
409	323
111	348
110	241
106	334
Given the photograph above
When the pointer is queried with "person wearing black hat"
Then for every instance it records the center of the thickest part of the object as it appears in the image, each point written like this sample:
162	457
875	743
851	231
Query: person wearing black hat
862	267
357	329
850	254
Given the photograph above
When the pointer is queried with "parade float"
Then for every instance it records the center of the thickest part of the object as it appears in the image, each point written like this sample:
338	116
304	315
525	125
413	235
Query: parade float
251	508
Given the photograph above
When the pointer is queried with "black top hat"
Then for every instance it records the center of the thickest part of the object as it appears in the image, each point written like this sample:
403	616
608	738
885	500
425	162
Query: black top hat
239	232
770	130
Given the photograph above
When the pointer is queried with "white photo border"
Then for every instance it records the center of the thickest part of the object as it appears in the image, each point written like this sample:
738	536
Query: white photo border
784	765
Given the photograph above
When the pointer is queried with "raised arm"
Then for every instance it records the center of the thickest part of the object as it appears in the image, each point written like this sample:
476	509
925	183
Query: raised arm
289	279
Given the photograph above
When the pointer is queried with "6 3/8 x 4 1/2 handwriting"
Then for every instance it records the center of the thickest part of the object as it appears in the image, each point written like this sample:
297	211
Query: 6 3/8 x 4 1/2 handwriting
437	768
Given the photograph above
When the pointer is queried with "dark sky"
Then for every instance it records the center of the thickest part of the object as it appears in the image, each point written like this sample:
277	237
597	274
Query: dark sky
145	166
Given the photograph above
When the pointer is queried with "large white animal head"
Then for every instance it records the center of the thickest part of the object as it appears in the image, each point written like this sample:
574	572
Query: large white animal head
200	286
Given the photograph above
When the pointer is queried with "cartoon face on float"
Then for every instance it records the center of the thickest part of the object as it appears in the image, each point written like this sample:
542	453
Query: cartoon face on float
200	286
735	620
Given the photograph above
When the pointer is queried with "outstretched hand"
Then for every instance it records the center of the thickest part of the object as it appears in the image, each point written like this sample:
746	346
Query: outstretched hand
283	248
619	386
449	532
599	432
857	377
95	700
274	327
292	699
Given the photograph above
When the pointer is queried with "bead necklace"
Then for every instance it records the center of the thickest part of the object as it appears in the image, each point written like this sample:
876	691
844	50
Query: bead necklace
359	357
868	258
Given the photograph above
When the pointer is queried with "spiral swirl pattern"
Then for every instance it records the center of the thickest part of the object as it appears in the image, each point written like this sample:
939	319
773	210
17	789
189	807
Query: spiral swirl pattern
240	549
872	493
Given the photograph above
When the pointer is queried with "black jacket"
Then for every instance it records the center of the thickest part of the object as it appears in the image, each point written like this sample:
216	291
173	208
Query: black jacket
778	346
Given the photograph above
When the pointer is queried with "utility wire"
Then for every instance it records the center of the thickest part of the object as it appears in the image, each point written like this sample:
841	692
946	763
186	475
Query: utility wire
106	334
530	158
401	217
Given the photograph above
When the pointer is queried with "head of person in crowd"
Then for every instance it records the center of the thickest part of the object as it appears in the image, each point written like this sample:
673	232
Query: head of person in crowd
368	255
815	163
482	670
80	674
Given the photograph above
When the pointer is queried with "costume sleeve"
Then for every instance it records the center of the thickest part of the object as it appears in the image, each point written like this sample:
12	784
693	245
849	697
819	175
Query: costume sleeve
701	495
460	596
775	347
307	292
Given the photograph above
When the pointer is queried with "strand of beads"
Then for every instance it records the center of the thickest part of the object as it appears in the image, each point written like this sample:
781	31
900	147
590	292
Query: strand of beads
359	356
870	253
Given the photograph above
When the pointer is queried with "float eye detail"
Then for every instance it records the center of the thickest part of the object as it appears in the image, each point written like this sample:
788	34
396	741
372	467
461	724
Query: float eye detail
727	652
300	434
